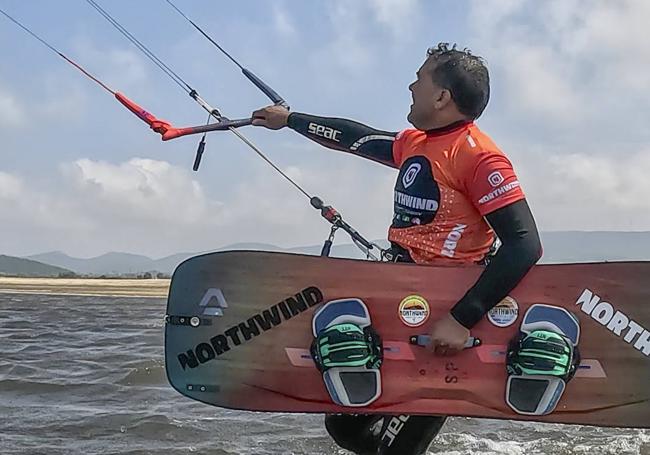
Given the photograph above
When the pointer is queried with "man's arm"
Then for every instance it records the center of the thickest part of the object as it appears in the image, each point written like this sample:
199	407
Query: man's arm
521	248
346	135
334	133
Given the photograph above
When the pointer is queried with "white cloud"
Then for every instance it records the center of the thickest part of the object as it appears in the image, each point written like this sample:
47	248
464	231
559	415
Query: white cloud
92	205
611	183
23	206
538	86
12	113
152	207
574	77
584	63
61	106
345	51
614	39
123	66
397	15
263	206
354	47
362	39
282	21
142	190
584	191
10	186
493	13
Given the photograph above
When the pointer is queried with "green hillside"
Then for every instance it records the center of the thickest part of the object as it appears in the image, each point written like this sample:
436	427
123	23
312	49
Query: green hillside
12	266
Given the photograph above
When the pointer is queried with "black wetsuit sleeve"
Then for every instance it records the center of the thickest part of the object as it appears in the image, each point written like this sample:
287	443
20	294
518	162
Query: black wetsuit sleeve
346	135
521	248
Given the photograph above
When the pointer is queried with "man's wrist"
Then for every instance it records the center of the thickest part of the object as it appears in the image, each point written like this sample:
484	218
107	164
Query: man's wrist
468	312
293	120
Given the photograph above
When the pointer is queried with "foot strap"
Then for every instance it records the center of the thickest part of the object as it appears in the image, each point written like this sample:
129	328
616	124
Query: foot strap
542	359
348	352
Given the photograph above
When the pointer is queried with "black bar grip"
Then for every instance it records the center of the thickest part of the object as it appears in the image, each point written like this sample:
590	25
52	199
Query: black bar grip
199	154
268	91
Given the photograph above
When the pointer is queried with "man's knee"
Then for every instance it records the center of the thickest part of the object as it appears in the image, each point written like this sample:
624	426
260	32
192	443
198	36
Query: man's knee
409	435
383	435
353	432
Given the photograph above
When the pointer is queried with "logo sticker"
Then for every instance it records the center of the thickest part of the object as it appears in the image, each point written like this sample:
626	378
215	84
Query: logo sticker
606	314
414	311
324	131
410	174
495	179
499	191
214	302
505	313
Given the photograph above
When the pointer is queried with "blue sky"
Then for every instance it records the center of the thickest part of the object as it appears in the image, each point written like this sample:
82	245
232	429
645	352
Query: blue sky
81	174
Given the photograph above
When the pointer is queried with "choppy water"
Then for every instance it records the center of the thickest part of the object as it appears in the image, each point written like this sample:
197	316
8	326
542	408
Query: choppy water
85	375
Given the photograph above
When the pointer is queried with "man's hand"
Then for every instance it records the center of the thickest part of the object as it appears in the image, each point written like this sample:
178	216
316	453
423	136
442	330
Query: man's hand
448	336
272	117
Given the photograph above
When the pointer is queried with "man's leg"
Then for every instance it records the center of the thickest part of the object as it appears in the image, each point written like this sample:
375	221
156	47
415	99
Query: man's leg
383	435
409	435
355	432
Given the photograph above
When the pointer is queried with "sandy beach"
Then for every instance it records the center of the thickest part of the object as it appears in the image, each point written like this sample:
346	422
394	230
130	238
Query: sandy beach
83	286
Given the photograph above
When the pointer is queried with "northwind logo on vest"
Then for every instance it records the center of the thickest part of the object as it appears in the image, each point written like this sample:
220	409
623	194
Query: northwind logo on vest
411	173
416	203
214	302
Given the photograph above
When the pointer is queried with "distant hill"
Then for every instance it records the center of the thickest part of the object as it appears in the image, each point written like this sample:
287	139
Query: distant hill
109	263
559	247
123	263
580	246
13	266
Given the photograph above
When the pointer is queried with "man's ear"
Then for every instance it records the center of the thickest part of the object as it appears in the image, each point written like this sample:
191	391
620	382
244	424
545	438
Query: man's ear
443	99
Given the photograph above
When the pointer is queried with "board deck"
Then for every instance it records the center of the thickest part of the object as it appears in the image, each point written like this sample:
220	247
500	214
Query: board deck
239	328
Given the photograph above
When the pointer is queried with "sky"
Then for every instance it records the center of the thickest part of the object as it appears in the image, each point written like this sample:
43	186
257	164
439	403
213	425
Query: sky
570	104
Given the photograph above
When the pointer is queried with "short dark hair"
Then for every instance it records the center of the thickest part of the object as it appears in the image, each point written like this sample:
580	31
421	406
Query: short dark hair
464	75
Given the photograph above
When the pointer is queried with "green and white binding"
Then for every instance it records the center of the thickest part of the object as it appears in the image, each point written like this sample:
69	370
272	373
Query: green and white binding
542	359
348	352
346	345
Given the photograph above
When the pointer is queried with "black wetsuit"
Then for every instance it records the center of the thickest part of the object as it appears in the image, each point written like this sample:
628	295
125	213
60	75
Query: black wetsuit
510	220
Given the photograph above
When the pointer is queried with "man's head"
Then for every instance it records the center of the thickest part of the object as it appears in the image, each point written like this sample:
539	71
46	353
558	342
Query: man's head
451	85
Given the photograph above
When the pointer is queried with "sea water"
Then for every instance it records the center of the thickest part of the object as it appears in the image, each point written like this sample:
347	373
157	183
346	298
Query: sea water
86	375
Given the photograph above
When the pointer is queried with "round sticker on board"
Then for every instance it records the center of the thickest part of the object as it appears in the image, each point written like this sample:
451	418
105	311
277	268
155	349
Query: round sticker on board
414	311
505	313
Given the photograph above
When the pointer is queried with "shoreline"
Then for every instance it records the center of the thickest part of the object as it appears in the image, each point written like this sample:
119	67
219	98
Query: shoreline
144	288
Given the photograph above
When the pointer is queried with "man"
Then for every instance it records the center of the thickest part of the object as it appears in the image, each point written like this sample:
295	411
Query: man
456	194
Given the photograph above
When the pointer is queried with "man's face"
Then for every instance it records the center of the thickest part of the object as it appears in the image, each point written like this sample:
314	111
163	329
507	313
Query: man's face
428	97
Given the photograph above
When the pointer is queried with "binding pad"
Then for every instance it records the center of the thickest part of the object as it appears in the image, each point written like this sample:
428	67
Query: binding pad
353	386
538	394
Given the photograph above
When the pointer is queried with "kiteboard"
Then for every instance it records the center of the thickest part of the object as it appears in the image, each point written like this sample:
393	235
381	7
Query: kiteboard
240	325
